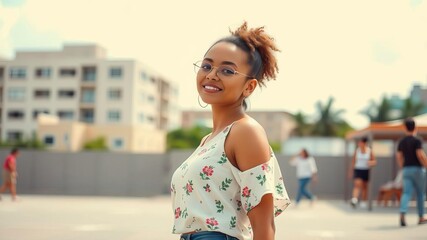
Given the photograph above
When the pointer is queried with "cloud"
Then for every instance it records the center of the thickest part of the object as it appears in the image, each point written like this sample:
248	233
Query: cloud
384	54
12	3
415	3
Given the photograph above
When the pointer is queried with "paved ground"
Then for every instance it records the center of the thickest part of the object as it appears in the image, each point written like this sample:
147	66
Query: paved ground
64	217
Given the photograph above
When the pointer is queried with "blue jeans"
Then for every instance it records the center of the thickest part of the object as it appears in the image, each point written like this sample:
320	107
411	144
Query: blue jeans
413	177
206	235
302	190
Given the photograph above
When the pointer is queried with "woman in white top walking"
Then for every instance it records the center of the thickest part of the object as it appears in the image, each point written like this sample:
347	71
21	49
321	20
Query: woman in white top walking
306	172
231	186
363	160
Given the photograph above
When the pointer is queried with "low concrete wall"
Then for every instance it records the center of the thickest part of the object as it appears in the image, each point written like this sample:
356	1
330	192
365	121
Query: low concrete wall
141	175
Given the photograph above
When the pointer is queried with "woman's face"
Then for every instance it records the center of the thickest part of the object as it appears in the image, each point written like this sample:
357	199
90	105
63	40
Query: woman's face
362	144
224	88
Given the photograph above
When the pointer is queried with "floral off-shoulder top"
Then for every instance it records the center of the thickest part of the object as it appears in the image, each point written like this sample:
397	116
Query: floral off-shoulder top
210	194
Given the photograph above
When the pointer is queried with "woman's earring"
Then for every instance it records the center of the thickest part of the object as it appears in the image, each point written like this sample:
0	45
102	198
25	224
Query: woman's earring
198	99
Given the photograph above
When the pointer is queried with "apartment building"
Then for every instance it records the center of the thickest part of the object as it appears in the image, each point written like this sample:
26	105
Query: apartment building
277	124
80	84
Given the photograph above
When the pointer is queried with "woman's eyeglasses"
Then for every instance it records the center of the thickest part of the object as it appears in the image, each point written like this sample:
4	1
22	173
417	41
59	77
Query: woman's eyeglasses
223	71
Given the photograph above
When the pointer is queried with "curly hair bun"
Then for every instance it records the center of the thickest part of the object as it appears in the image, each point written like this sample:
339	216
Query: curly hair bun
259	41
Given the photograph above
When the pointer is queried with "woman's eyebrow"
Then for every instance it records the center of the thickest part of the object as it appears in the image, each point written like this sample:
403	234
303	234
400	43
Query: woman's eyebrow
222	63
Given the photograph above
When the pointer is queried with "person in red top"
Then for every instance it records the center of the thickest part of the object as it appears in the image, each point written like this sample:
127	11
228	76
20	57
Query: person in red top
9	173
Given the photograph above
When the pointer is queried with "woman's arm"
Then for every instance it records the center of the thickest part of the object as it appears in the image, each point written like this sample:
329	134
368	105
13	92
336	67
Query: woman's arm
250	148
351	168
372	161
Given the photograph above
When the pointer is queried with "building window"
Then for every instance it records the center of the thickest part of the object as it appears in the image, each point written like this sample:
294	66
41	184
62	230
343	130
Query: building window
114	94
66	115
37	112
49	140
14	136
151	119
88	96
66	93
141	117
116	72
43	72
1	73
151	99
41	94
113	116
18	73
15	115
67	72
16	94
118	143
87	115
89	74
144	76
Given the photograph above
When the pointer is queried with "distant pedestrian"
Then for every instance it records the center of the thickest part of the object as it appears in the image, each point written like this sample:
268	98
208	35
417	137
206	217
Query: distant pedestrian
10	174
363	160
306	172
412	159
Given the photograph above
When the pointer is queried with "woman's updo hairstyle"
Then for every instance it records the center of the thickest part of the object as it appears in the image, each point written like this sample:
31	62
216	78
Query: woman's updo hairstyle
260	48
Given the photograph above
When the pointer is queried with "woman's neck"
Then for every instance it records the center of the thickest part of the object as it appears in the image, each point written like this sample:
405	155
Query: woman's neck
224	116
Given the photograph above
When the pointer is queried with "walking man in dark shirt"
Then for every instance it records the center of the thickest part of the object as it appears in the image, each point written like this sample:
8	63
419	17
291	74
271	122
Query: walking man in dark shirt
412	158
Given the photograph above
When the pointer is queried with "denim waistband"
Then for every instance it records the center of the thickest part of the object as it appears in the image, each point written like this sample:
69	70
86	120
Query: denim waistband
211	235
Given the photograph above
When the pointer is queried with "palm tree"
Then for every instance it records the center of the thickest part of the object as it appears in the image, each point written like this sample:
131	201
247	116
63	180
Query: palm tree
378	112
411	108
329	119
303	128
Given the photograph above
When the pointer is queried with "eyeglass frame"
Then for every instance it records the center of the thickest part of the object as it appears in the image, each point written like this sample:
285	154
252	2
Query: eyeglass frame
216	72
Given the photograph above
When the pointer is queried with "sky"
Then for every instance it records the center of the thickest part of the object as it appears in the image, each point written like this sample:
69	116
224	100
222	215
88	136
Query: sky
354	51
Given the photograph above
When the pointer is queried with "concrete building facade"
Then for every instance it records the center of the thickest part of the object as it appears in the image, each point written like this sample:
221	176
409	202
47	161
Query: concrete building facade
80	84
277	124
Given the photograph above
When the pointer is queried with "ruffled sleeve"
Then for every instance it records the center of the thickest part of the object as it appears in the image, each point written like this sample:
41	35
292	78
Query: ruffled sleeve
260	180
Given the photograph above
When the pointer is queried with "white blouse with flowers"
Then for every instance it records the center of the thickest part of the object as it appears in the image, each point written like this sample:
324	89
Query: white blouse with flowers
210	194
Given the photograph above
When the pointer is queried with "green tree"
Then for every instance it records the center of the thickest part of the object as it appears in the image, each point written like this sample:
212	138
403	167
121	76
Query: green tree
96	144
378	112
303	127
186	138
411	108
329	120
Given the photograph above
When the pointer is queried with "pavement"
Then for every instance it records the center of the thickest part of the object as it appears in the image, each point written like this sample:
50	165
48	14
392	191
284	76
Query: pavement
38	217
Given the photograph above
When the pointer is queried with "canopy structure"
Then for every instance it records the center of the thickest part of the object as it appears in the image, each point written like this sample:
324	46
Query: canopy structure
393	131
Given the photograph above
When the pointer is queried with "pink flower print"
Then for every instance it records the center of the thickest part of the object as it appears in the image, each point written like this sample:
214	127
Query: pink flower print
206	172
265	167
212	223
246	192
207	188
188	187
177	213
203	151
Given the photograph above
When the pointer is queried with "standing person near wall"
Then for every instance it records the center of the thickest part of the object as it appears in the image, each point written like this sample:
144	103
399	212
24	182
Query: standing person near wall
413	161
363	160
231	187
306	172
10	174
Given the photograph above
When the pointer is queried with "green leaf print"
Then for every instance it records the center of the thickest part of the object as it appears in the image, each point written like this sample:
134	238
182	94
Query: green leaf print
225	184
233	222
223	158
219	206
261	179
184	213
184	166
279	189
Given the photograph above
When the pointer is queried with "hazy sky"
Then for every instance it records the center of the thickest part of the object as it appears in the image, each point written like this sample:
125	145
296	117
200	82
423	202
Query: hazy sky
354	50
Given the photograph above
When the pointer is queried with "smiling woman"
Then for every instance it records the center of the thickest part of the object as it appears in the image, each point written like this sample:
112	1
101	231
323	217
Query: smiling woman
231	187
